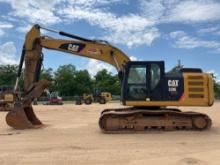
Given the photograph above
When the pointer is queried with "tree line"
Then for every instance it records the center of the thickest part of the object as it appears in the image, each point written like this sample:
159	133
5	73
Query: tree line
67	80
217	89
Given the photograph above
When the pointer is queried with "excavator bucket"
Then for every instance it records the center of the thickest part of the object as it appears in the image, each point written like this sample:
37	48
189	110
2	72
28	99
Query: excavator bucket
22	115
22	118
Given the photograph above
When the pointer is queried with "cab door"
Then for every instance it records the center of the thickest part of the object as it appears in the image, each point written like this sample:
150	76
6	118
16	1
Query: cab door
137	87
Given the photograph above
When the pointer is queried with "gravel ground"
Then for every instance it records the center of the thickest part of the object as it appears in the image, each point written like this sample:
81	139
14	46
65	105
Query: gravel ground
72	136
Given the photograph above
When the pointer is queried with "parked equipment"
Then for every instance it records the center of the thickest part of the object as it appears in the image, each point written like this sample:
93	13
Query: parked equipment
101	98
54	99
6	97
144	85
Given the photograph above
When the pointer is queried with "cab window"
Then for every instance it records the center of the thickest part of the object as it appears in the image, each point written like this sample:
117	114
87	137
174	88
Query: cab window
137	75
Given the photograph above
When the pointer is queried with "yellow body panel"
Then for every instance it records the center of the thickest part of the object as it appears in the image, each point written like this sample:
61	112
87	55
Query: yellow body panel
107	96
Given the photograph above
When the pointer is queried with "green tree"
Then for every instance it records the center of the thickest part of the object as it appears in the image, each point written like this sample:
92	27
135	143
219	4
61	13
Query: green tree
217	89
105	81
84	83
64	80
47	74
8	74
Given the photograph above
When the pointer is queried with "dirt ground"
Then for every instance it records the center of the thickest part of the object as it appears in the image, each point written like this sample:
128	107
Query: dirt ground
73	137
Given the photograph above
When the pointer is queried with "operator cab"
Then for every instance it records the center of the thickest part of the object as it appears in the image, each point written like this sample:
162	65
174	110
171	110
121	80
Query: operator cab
147	81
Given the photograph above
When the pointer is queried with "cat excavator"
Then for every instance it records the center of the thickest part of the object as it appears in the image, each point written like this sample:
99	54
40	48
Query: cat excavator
145	87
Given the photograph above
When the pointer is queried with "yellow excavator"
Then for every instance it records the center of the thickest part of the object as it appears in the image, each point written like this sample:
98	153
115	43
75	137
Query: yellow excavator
145	87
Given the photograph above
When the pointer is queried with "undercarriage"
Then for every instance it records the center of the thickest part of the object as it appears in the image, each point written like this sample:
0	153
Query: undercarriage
140	120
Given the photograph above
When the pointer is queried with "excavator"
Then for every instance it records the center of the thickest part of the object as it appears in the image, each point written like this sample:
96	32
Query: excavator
149	93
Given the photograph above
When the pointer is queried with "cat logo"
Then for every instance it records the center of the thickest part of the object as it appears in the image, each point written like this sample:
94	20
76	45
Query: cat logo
73	47
173	83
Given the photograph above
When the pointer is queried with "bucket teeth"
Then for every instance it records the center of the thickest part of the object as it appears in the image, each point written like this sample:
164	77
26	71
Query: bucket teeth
22	117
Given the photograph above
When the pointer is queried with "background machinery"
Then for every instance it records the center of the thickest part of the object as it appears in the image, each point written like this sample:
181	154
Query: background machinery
53	98
144	85
6	97
100	97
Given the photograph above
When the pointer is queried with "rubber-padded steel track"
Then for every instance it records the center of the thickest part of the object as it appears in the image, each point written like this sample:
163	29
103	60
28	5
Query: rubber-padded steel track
128	120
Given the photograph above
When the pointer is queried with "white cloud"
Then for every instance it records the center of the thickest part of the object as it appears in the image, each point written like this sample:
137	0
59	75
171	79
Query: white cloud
4	26
89	3
187	11
141	28
130	30
41	11
7	53
23	29
1	32
195	11
94	66
210	30
182	40
134	38
133	58
46	12
153	9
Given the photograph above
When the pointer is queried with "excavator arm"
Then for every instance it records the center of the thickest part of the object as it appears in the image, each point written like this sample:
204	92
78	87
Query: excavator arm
23	116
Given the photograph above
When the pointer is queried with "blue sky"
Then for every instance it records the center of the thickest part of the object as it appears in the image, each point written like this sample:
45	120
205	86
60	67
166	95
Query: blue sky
168	30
